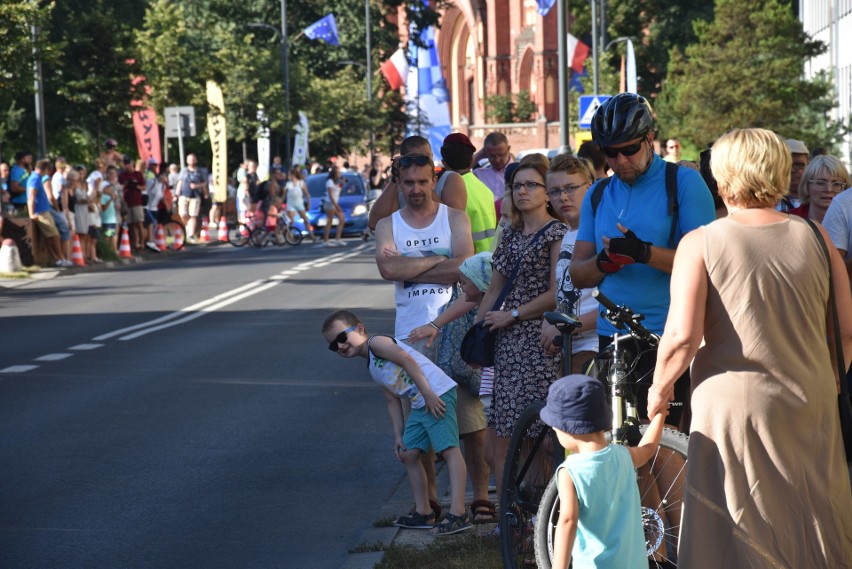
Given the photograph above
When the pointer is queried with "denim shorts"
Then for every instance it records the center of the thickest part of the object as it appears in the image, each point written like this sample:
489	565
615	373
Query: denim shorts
423	430
61	224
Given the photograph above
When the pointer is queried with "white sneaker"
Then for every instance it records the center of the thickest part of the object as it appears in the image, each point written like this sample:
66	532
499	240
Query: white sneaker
340	242
331	244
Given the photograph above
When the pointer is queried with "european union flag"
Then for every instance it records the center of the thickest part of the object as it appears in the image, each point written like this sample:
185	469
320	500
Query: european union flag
575	84
544	6
325	30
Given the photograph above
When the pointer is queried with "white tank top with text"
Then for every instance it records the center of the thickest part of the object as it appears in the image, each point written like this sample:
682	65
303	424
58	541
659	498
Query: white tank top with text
396	380
419	303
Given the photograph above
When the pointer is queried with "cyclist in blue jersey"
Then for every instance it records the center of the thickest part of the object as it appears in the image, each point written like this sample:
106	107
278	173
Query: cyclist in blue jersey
629	233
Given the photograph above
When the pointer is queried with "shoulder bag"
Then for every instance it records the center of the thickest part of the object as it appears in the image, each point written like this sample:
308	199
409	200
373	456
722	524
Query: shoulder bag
843	401
477	347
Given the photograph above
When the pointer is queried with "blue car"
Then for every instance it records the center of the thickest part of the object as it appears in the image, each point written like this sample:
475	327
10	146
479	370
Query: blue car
353	200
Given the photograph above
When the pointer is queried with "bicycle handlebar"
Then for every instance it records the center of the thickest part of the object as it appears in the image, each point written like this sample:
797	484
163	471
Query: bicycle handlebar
624	316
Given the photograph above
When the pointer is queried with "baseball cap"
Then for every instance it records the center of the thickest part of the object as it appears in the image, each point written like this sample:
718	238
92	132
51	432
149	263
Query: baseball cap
127	159
576	404
796	146
460	139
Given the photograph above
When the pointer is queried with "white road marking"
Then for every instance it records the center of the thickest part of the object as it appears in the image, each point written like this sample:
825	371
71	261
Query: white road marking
86	346
53	357
18	369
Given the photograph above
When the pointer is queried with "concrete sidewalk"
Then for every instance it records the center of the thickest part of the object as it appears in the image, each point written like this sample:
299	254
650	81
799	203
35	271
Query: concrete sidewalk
400	503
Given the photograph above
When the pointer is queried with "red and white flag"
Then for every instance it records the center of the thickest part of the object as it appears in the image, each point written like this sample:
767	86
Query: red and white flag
577	53
395	69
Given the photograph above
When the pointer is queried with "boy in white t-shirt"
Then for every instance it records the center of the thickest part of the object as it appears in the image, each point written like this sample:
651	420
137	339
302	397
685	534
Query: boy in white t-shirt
406	374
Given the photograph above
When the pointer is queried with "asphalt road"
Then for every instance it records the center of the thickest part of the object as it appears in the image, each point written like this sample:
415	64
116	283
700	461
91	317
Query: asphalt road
186	412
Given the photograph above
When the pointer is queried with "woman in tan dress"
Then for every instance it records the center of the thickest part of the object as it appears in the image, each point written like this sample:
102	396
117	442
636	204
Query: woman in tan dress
767	483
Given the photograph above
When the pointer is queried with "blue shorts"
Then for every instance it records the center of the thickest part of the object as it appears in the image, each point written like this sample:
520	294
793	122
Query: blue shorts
61	225
423	430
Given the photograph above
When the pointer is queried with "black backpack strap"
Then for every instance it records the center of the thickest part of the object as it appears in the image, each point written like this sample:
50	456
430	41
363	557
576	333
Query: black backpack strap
671	192
597	194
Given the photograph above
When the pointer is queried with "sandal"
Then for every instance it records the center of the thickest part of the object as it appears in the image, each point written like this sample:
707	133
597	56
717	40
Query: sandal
452	524
483	512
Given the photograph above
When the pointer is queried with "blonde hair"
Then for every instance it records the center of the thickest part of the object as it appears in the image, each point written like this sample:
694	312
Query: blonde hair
572	165
752	167
834	167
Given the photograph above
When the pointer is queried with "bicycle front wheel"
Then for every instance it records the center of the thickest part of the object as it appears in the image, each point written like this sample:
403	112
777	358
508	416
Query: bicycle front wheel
238	234
532	458
661	490
292	235
258	237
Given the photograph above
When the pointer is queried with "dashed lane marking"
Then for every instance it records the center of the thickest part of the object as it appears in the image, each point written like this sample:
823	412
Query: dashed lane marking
18	369
86	347
53	357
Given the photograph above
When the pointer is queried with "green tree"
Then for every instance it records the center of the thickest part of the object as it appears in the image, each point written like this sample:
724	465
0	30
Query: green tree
746	70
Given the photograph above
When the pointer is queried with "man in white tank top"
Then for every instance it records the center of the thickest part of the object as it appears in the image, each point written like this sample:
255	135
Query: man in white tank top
421	246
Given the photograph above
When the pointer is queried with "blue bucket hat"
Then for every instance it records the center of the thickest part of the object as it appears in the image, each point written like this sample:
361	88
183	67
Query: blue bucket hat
576	404
477	269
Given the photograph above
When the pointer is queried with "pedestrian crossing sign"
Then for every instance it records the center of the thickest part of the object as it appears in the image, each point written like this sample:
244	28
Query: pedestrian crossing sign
588	105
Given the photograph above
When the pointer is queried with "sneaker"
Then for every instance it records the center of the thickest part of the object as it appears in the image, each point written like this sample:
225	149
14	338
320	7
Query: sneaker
416	521
331	244
340	242
63	263
152	246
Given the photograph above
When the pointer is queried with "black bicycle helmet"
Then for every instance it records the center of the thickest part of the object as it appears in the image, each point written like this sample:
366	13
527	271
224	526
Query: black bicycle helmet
110	143
622	118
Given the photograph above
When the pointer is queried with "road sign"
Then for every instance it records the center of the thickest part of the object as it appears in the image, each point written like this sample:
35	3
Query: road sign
588	105
187	114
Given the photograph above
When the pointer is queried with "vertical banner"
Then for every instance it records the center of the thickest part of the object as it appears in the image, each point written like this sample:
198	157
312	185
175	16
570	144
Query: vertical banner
216	128
147	134
426	92
263	159
300	145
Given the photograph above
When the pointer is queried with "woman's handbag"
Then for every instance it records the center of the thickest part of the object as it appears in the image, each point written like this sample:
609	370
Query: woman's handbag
477	347
844	403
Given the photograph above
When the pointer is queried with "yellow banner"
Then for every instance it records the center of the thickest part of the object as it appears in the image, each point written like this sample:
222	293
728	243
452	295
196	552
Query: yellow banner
218	141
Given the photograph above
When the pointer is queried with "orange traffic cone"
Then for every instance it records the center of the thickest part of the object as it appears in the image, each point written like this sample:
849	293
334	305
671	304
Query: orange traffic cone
205	231
124	247
77	252
178	242
160	239
223	230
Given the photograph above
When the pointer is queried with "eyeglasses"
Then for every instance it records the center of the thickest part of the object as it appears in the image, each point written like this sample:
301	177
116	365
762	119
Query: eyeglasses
414	160
340	339
799	166
529	186
568	190
625	150
826	186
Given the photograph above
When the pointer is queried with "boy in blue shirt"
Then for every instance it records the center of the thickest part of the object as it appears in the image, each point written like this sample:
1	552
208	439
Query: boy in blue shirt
600	516
404	373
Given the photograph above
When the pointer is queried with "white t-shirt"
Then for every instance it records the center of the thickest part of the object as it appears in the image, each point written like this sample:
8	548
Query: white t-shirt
91	180
56	184
838	221
569	300
333	190
395	379
295	197
155	195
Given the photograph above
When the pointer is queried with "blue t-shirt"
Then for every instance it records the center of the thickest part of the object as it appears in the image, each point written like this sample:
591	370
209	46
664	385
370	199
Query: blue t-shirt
34	184
18	174
643	208
609	528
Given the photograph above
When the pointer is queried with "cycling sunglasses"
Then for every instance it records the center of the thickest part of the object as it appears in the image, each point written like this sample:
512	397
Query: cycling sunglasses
340	339
414	160
625	150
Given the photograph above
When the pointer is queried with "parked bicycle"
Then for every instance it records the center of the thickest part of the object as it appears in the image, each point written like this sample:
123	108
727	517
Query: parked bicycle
529	506
283	232
662	481
174	233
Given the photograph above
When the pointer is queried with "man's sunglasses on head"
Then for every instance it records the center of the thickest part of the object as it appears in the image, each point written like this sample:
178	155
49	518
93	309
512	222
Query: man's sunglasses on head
414	160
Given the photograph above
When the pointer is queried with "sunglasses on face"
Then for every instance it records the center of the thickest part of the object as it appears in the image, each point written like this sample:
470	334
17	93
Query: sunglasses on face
414	160
625	150
340	339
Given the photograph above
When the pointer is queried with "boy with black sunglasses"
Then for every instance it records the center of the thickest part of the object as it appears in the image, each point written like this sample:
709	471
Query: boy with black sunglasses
404	373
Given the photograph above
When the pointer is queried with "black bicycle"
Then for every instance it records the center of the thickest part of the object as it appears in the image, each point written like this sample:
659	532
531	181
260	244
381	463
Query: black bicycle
661	481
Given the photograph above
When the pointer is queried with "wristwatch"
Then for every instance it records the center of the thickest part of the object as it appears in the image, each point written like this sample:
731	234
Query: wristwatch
515	314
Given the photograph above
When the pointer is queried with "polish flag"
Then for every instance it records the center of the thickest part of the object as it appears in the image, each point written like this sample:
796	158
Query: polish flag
395	69
577	53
